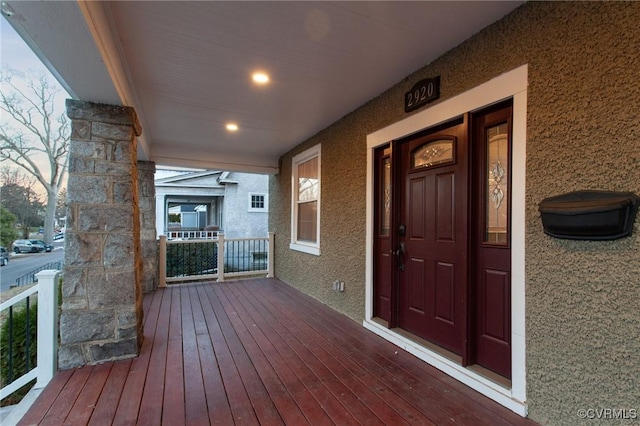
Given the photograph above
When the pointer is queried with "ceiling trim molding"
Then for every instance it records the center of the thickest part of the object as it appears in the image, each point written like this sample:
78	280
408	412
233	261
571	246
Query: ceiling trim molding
99	20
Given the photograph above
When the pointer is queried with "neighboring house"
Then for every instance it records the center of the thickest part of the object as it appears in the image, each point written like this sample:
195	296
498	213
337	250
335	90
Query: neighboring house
229	202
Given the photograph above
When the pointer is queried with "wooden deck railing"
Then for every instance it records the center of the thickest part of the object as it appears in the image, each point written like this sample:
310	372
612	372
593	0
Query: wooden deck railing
200	259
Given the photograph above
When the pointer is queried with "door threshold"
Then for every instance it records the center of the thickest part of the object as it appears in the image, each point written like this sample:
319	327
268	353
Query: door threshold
429	345
478	378
486	373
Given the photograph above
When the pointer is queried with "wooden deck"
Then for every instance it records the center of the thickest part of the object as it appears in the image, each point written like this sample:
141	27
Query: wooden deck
259	352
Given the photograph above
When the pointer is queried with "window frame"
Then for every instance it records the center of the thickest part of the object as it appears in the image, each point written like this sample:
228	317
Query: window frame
295	244
265	199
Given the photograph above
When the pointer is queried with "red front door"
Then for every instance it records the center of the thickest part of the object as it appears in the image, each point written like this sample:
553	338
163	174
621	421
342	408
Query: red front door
442	267
432	235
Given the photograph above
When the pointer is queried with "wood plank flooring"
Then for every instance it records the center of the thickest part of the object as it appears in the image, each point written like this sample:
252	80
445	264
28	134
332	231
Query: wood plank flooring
256	352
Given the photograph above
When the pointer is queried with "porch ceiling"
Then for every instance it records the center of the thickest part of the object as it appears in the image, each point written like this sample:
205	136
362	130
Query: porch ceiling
185	66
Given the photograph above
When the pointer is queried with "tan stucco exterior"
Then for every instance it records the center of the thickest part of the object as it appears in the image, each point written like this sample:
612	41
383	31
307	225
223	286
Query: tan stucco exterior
583	132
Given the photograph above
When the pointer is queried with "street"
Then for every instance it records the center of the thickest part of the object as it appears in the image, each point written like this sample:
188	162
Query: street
22	264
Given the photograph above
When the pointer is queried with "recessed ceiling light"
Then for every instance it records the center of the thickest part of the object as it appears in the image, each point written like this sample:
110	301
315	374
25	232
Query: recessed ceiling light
232	127
260	77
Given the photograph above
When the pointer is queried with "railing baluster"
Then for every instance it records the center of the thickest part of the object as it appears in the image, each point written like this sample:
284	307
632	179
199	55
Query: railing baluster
28	335
11	344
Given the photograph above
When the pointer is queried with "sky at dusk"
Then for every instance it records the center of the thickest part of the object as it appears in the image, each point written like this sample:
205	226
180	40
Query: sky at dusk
16	55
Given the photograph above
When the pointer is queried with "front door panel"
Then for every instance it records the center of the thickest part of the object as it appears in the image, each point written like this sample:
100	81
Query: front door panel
433	207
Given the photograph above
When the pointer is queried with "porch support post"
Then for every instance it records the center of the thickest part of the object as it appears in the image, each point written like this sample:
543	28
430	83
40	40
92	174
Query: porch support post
162	261
220	257
47	331
271	256
101	317
148	241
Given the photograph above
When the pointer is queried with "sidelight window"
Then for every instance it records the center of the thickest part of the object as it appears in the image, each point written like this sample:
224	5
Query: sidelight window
497	184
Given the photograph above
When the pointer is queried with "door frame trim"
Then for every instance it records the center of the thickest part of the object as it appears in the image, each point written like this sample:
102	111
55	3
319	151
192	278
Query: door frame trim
512	84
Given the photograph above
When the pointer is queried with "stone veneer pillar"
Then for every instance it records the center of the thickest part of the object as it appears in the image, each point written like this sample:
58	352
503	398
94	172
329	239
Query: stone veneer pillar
101	317
148	240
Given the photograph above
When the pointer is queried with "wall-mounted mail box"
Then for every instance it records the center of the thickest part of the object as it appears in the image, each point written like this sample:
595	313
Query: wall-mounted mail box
589	215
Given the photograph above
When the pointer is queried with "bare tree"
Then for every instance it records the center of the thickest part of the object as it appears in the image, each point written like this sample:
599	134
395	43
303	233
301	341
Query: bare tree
33	137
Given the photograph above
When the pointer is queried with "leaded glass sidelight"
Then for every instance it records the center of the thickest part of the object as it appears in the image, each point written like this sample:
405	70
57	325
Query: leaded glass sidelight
497	185
433	153
385	224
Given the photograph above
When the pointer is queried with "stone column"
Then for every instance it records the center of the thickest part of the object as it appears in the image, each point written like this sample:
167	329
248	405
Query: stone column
101	317
148	240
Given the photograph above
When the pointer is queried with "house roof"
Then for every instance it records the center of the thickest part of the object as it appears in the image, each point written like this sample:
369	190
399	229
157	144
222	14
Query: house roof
203	179
185	66
189	176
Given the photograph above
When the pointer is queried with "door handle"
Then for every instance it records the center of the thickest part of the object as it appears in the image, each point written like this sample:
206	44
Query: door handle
399	255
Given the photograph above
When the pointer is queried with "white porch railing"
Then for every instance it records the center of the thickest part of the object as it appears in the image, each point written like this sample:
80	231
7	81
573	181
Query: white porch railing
47	331
200	259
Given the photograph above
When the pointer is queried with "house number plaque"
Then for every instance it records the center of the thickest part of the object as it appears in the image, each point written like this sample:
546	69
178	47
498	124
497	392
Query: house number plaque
423	92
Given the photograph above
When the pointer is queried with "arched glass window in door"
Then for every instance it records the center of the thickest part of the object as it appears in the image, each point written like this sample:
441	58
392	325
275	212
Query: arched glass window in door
433	153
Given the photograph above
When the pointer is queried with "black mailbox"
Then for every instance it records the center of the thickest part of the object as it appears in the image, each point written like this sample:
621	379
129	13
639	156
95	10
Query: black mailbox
589	215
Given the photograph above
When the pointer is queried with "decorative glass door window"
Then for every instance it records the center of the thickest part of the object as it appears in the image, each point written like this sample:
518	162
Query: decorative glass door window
497	185
433	153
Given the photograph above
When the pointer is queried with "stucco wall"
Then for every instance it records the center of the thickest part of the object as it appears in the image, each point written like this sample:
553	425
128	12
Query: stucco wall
583	132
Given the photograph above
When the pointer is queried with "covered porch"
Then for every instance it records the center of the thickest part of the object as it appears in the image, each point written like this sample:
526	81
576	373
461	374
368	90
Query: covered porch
259	352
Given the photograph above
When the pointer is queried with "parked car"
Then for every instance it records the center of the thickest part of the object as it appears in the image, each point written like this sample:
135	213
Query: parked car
4	256
58	236
47	247
27	246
